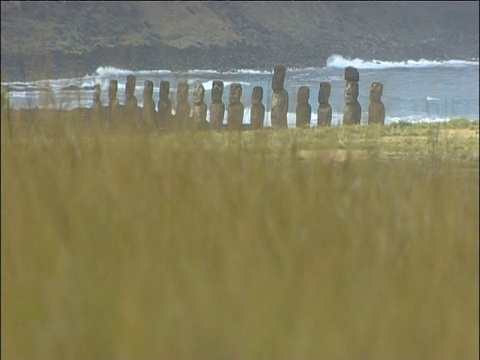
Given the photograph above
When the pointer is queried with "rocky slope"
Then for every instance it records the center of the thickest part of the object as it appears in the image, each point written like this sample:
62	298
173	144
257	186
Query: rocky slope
57	39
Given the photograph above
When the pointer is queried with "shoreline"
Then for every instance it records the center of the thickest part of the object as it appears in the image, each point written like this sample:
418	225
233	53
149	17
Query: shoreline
85	111
55	65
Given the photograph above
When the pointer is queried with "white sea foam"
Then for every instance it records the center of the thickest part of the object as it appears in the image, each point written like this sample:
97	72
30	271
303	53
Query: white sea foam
199	71
228	72
88	83
17	83
301	69
249	71
338	61
113	71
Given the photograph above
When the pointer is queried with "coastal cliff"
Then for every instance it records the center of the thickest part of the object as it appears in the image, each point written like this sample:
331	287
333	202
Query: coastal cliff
63	39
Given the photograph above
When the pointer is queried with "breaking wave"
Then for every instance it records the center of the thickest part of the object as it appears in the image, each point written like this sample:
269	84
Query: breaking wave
338	61
104	71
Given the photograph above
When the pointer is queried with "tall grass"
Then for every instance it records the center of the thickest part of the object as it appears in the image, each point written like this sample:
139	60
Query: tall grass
229	246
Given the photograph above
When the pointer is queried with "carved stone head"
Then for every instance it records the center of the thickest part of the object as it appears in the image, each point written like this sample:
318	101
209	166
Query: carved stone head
148	90
303	95
182	92
217	91
130	86
257	95
235	93
324	93
351	92
198	94
351	74
278	78
376	91
112	89
96	93
164	90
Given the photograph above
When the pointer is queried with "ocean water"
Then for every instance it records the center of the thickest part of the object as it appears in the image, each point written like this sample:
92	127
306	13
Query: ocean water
414	91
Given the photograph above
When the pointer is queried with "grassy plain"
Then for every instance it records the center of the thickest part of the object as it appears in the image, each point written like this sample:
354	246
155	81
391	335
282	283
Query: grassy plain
340	243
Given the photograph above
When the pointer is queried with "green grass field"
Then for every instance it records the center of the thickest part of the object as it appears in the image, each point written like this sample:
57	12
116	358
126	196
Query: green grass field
340	243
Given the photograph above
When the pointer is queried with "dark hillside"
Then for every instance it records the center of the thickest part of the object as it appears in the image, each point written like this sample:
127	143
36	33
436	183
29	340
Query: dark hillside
67	38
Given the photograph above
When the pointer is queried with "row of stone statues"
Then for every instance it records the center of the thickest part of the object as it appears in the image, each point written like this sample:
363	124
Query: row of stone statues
279	105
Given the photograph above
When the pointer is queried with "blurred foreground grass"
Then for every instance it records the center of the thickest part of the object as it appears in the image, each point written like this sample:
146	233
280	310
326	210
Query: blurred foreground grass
333	243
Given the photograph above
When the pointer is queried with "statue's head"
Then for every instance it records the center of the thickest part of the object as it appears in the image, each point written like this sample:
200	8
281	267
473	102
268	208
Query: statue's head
376	91
278	78
351	74
164	90
198	94
148	90
324	93
96	93
217	91
235	93
112	89
130	86
351	92
303	94
182	92
257	95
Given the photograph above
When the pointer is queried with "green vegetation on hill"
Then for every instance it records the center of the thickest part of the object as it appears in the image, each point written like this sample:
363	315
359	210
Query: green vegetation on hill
231	34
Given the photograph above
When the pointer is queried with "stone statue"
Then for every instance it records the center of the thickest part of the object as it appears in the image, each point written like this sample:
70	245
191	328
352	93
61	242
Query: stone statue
164	106
199	116
113	103
257	112
131	102
182	112
353	111
279	99
217	107
148	111
304	110
97	107
376	109
324	114
235	108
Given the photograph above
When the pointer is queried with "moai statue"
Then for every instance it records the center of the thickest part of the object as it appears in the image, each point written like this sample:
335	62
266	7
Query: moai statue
235	108
6	123
257	112
304	110
324	114
217	107
279	99
148	111
97	107
376	109
164	106
131	102
199	116
182	112
353	111
113	103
